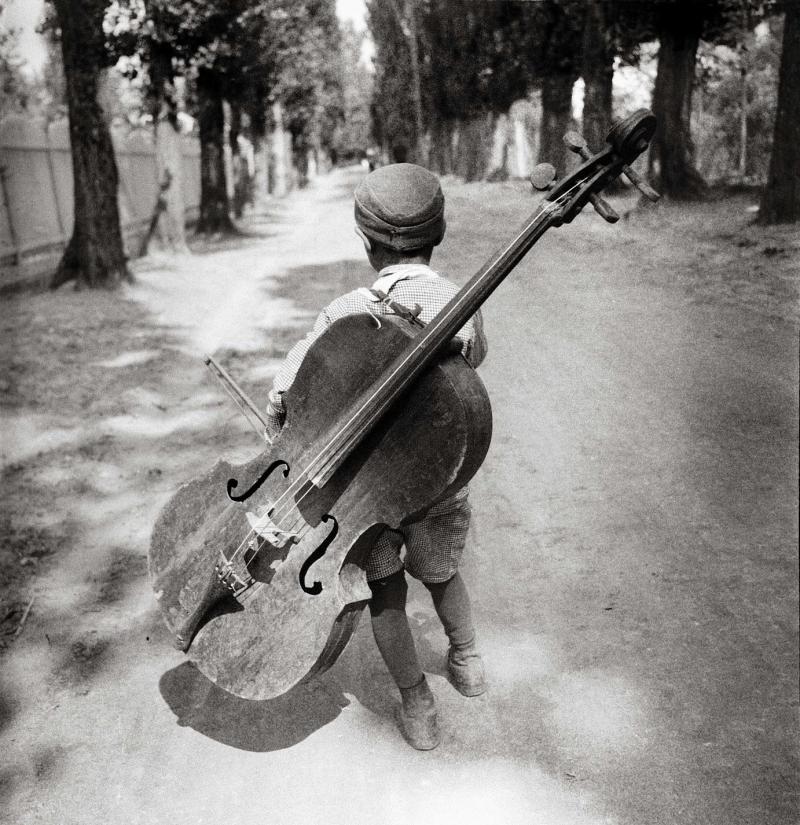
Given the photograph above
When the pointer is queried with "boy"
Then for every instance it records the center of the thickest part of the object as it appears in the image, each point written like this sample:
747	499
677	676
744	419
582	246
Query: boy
399	211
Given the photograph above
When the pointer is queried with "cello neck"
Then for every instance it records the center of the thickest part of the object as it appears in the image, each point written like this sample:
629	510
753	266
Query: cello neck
368	409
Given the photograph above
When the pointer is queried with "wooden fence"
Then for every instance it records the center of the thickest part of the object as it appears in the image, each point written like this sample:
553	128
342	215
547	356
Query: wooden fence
36	213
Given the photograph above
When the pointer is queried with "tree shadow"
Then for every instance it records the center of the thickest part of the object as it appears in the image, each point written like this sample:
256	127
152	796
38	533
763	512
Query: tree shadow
313	286
259	726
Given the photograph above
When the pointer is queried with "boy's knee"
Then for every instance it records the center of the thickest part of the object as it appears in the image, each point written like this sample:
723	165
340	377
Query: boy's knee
388	592
436	588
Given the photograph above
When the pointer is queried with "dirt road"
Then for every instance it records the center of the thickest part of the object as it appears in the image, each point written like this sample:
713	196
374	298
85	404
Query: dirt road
632	561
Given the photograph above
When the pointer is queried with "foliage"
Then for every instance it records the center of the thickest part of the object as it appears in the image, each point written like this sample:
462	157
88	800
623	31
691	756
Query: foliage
392	101
353	132
16	90
52	83
257	51
720	76
474	60
42	94
308	78
478	55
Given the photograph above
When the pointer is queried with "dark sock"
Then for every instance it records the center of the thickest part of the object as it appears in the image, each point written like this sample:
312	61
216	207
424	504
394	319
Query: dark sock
392	632
451	601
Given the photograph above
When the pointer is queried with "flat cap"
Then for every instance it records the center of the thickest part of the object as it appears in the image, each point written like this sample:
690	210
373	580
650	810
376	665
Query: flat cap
401	206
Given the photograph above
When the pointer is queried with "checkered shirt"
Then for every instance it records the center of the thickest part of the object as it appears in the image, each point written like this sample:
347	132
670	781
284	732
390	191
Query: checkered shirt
435	543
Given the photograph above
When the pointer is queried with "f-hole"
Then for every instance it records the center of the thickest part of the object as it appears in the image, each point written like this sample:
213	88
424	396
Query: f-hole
233	483
316	588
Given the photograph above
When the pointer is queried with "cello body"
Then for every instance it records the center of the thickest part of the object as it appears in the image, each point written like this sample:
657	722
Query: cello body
307	595
259	569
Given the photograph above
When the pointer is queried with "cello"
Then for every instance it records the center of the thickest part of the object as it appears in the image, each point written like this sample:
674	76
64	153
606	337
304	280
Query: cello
259	569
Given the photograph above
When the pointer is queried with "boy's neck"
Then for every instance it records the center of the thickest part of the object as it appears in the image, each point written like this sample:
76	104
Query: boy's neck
383	259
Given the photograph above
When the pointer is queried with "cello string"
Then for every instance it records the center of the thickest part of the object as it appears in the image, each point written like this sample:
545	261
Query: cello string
303	477
460	298
277	516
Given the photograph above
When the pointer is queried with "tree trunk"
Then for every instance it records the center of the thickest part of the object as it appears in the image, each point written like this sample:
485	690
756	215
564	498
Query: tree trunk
556	120
241	181
162	104
672	148
441	154
598	75
421	153
279	153
780	202
95	256
474	146
743	116
261	175
169	163
214	206
405	13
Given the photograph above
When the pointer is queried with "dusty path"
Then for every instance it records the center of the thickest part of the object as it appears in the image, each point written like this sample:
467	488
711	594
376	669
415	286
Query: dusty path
632	564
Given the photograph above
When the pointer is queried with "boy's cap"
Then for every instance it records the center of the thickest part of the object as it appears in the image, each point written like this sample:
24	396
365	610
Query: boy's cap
401	206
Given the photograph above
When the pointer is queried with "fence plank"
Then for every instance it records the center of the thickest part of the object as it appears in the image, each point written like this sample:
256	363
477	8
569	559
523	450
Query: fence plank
37	203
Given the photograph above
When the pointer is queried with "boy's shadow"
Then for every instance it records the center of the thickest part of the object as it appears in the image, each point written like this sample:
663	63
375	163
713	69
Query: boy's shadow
274	724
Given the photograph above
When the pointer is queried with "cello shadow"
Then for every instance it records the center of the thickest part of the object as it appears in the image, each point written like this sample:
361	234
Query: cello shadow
268	725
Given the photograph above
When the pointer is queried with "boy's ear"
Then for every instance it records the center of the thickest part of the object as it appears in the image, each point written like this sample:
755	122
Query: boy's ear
364	238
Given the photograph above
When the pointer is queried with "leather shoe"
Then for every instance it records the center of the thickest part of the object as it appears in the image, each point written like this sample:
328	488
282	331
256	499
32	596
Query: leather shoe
418	720
465	667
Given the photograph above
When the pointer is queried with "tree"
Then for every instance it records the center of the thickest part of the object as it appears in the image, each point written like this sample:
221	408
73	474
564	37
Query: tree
780	202
597	70
735	102
201	41
249	54
353	132
94	256
483	56
393	82
680	25
470	65
214	203
555	60
406	16
672	149
475	59
14	86
308	78
161	101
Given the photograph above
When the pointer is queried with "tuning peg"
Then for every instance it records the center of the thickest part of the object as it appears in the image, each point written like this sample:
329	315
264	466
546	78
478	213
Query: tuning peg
543	176
576	142
640	183
603	208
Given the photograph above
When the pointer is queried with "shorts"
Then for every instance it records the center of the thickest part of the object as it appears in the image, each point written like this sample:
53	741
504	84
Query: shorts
434	544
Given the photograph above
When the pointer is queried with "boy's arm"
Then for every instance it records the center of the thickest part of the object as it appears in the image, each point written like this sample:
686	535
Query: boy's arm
284	378
476	346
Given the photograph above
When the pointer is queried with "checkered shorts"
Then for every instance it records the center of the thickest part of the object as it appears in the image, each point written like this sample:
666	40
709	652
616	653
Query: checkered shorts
433	545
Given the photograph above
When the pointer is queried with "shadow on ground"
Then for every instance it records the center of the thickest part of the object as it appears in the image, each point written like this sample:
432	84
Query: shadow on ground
269	725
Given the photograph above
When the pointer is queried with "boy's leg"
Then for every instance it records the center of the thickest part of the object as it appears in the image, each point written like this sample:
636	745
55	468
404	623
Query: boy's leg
451	601
418	719
392	633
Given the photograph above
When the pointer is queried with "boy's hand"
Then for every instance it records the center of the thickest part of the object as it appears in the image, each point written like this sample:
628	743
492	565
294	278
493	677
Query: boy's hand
275	416
455	347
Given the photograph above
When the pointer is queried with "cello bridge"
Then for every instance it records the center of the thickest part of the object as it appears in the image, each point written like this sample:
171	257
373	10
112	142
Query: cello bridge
231	579
265	527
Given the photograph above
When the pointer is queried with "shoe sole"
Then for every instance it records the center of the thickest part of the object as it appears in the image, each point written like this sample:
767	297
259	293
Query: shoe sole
466	691
426	747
